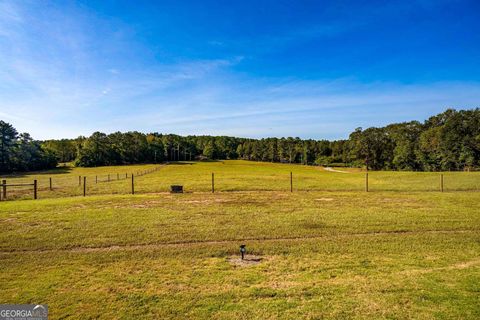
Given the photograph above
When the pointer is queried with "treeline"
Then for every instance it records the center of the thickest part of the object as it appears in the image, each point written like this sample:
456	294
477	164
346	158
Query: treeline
447	141
19	152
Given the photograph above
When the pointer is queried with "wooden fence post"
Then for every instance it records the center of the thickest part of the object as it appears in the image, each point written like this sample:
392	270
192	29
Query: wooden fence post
4	189
441	182
126	175
133	186
84	186
109	178
79	180
118	176
213	182
50	183
35	189
291	181
96	179
366	182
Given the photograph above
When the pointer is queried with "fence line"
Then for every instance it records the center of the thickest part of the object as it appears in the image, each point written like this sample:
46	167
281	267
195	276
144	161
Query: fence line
51	183
3	194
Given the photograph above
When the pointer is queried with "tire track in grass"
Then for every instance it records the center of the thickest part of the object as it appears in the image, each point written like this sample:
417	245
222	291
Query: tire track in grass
455	266
227	241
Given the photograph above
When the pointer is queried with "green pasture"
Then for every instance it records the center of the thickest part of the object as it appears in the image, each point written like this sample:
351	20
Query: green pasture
310	255
232	176
329	250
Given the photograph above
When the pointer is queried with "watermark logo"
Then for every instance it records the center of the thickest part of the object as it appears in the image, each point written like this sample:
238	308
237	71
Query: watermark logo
23	312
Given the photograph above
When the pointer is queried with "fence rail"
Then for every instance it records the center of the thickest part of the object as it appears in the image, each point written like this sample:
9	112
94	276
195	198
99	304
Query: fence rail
7	193
16	185
4	186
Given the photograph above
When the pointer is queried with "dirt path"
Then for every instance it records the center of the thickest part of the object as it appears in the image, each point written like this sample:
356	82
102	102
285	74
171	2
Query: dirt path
334	170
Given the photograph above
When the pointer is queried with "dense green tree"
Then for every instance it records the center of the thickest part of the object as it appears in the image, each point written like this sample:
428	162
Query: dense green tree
21	152
64	149
405	137
372	146
8	138
447	141
95	151
209	150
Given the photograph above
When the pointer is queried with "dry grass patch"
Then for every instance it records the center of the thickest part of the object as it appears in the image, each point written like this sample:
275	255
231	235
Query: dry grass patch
248	261
324	199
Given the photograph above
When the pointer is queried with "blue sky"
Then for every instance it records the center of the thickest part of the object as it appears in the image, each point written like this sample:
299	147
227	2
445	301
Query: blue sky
313	69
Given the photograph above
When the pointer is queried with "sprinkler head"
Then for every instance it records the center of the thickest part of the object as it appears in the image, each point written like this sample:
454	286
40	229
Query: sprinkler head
243	250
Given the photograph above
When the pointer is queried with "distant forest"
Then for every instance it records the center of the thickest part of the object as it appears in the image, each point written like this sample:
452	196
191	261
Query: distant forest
447	141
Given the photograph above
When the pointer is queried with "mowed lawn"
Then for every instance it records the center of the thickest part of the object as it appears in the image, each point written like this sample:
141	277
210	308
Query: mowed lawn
331	254
230	176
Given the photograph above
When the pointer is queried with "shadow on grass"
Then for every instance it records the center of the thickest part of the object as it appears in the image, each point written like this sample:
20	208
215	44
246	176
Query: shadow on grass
181	163
195	162
58	170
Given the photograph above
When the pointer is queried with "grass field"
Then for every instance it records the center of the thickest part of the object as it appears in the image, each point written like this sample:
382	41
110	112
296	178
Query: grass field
334	254
232	176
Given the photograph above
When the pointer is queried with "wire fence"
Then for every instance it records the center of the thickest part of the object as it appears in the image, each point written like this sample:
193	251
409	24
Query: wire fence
67	186
144	182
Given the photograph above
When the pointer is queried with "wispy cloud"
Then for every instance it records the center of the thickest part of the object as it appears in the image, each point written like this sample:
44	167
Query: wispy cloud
61	77
303	108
